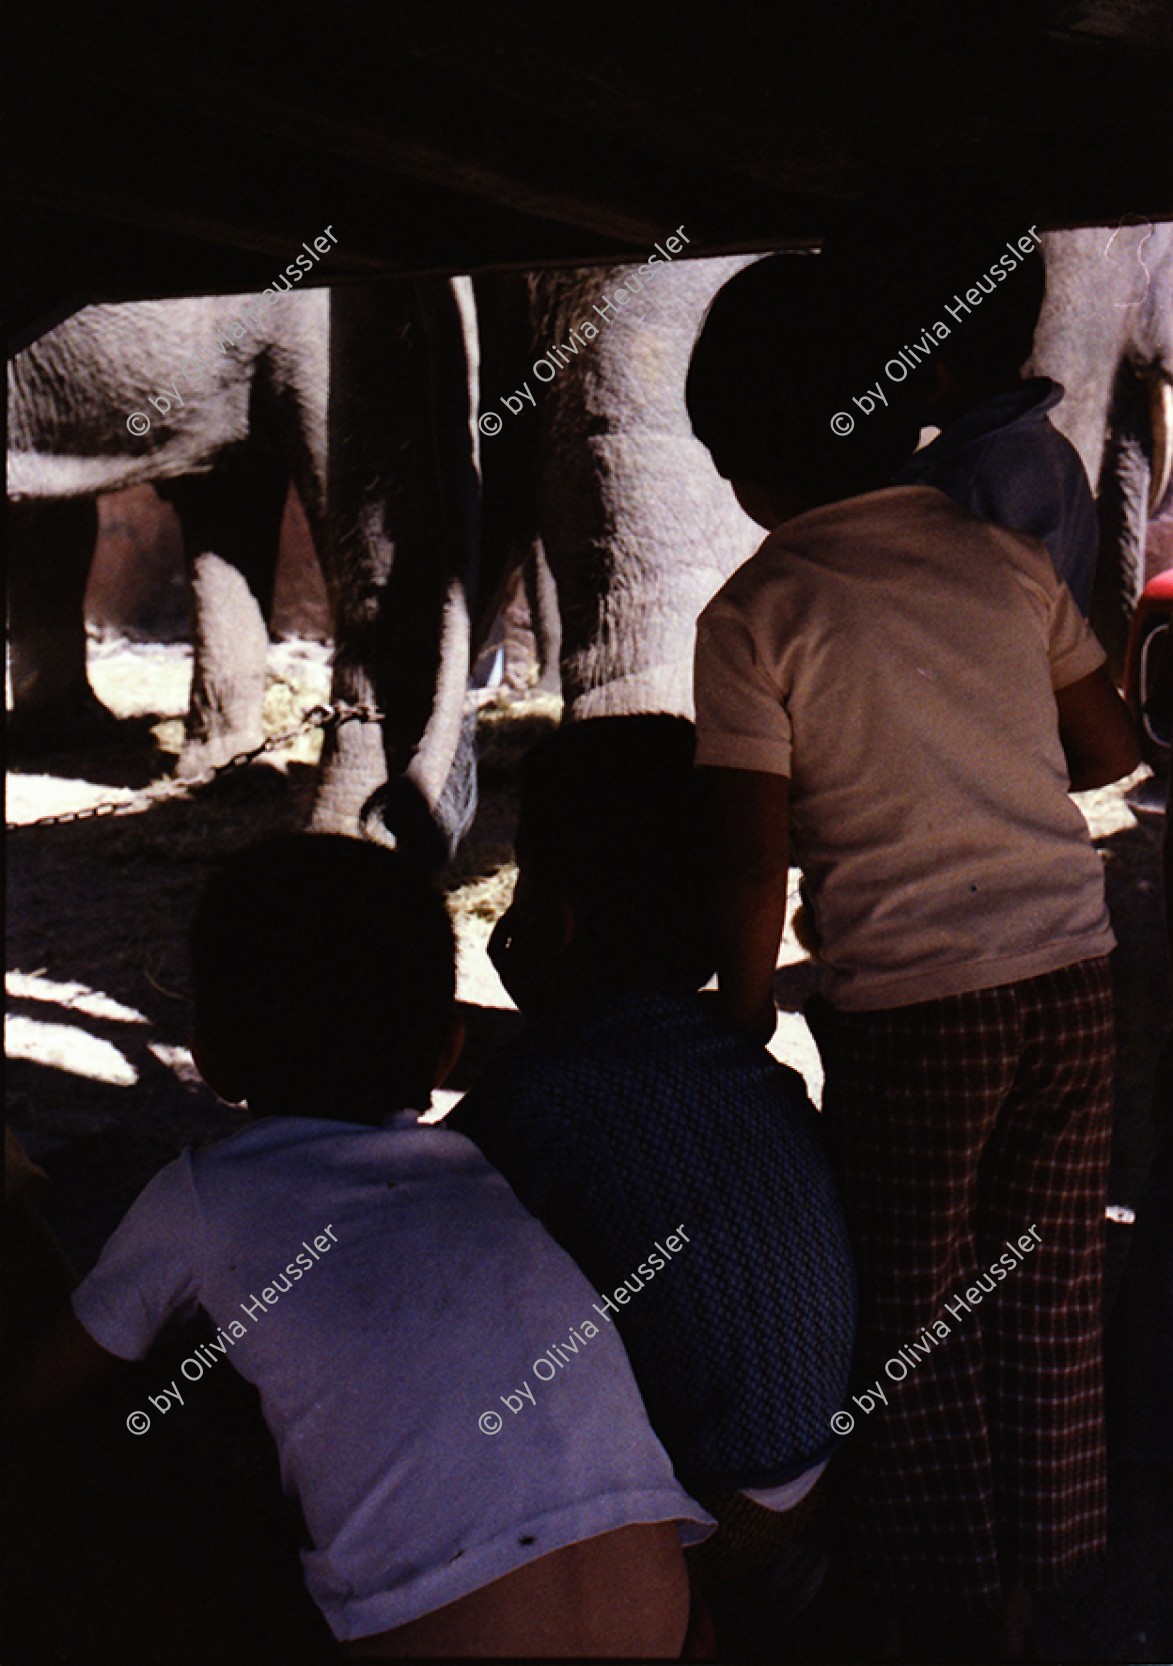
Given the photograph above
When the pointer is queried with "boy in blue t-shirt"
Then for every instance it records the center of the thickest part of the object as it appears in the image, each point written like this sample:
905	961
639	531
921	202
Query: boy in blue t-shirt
386	1293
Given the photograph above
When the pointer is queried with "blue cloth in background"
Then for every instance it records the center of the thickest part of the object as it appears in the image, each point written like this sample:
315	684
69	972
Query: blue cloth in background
645	1113
1005	461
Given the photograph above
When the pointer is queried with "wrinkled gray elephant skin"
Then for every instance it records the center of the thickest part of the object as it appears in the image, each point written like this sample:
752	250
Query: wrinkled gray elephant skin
604	476
403	518
1106	333
222	444
227	435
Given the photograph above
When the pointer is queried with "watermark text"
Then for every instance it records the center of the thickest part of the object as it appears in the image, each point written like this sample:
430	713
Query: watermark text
208	1354
912	354
546	1367
907	1358
584	332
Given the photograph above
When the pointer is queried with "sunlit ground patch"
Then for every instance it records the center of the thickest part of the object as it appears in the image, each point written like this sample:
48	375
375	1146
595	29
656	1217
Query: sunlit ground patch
78	997
68	1047
177	1059
65	1047
29	797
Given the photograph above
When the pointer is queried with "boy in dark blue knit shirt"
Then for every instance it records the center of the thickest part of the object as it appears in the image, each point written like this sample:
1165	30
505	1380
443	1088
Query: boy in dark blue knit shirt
676	1161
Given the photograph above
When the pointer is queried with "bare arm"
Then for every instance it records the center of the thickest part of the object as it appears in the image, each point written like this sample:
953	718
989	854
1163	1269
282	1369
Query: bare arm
749	822
1098	736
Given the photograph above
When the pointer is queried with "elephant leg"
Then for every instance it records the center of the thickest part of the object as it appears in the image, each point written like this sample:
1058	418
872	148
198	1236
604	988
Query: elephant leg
50	549
509	457
545	622
231	524
637	526
402	508
519	658
1123	509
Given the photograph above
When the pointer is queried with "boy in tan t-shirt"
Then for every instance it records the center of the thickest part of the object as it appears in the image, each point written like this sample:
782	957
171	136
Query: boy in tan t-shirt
910	693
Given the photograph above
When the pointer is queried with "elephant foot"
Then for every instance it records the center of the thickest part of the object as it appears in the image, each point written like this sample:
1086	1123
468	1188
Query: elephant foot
396	812
71	725
205	752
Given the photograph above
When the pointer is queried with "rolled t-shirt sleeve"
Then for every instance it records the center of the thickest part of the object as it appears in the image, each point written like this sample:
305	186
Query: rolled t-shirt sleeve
145	1274
740	718
1072	647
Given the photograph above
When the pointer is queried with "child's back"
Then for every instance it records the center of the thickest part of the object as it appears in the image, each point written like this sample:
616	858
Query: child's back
384	1290
644	1113
680	1165
388	1295
904	656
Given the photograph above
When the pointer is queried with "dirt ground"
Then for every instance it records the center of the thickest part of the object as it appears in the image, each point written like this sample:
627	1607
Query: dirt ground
97	1028
101	1088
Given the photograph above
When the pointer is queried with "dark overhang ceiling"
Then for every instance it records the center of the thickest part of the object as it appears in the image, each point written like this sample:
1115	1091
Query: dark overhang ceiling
183	149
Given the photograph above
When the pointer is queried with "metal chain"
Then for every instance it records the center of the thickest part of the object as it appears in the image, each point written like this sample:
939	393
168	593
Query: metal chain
318	717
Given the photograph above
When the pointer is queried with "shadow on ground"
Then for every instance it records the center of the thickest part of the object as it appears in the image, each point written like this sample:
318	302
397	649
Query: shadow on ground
130	754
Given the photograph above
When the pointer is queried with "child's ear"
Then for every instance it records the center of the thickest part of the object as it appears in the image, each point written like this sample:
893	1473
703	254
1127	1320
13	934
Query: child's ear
530	946
212	1068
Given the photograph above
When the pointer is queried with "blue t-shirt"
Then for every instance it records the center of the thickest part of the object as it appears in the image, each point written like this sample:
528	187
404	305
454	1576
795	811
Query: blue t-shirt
644	1114
413	1333
1005	462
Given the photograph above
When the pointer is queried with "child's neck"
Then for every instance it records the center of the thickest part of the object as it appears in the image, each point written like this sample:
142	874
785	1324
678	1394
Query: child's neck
352	1111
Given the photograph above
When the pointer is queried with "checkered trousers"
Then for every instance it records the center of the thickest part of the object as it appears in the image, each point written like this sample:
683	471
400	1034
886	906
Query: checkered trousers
956	1125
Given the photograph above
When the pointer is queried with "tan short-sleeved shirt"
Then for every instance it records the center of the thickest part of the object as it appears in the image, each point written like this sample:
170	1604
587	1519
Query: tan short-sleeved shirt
897	658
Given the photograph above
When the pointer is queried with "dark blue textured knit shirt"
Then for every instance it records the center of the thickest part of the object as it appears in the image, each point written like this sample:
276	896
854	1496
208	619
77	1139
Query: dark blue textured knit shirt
644	1113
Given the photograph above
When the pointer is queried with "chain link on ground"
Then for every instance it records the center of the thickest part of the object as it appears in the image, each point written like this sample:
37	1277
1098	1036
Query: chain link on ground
317	717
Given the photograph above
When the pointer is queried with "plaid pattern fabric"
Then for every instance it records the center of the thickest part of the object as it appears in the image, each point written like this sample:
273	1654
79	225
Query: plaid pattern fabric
956	1125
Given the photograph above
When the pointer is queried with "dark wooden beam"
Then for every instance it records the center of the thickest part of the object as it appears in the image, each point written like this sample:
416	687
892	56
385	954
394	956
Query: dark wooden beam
191	150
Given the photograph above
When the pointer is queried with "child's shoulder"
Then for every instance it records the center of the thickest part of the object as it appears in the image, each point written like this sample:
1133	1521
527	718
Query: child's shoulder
820	551
768	571
639	1051
273	1136
320	1143
1014	431
279	1155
